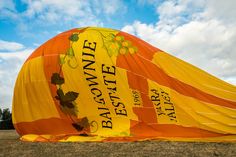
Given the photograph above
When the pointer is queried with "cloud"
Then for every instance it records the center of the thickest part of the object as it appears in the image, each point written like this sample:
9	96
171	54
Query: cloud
150	2
8	5
10	66
222	10
196	32
54	10
59	14
7	9
10	46
111	7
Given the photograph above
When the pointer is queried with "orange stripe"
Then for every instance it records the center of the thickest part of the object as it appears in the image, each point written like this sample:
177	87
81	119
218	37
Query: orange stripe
52	126
146	68
137	82
57	45
46	48
146	100
146	114
168	130
142	129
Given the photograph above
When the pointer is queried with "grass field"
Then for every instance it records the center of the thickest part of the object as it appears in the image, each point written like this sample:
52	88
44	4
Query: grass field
10	145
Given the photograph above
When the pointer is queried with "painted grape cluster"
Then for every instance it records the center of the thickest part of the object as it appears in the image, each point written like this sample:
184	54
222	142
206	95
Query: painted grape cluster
116	44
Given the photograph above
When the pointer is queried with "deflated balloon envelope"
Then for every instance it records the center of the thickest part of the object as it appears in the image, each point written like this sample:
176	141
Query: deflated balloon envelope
98	84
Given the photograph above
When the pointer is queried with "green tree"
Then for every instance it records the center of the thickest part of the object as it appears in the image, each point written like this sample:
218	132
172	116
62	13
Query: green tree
0	114
6	120
6	114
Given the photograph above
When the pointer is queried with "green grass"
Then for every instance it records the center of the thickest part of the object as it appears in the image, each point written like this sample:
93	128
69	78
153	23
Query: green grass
10	145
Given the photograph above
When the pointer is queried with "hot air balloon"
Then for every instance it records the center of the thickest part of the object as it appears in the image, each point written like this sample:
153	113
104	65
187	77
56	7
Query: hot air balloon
99	84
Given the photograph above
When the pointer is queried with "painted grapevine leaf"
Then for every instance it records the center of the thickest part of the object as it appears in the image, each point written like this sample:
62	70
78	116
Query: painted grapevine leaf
84	122
71	96
62	59
70	52
60	95
74	37
56	79
110	37
67	104
69	111
77	127
67	98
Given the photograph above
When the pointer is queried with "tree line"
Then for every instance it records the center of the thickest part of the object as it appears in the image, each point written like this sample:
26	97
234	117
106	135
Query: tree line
5	119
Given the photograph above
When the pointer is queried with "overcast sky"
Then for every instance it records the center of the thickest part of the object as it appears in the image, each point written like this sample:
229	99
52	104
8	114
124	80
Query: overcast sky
201	32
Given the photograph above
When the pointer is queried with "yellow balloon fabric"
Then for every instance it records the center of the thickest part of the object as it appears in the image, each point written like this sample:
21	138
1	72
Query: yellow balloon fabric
98	84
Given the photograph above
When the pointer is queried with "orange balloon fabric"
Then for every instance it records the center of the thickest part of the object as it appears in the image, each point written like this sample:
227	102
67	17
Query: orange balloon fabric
99	84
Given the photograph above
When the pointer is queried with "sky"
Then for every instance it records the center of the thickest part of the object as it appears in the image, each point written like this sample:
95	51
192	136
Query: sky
201	32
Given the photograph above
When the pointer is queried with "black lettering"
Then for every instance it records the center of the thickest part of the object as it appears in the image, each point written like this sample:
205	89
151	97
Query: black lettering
91	79
113	90
155	98
88	45
107	124
159	111
100	101
166	98
108	81
96	92
122	112
172	115
86	66
108	69
168	103
103	108
112	97
155	91
105	115
170	109
118	104
157	104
